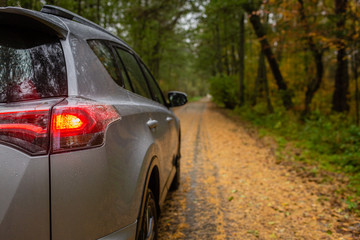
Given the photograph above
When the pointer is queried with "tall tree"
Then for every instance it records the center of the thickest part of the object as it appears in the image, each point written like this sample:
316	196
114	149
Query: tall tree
148	24
355	60
340	101
217	40
261	84
252	8
241	58
79	8
317	53
355	55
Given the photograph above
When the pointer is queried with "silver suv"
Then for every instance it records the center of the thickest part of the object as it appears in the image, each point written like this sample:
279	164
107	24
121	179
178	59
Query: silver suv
89	146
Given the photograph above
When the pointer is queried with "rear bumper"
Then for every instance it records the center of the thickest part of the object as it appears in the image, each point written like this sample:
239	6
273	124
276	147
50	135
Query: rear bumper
126	233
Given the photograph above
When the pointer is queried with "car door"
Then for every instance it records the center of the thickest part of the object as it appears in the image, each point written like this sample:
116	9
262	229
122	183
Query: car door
168	118
156	116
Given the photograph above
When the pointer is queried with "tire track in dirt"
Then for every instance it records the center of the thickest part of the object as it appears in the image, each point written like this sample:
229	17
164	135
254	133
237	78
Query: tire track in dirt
203	200
232	188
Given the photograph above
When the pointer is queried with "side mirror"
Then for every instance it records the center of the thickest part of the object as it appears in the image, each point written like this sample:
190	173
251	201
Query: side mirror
177	98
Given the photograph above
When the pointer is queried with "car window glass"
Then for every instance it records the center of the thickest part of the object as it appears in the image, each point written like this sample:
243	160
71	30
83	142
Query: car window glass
32	65
126	81
124	75
136	76
103	52
154	87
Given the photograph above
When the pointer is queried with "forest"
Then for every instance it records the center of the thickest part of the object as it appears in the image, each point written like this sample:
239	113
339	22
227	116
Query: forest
291	67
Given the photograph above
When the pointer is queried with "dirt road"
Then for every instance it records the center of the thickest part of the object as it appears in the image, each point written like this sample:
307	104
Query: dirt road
232	188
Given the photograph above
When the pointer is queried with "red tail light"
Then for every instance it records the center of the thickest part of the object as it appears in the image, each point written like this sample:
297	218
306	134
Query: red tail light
80	124
68	121
26	127
75	124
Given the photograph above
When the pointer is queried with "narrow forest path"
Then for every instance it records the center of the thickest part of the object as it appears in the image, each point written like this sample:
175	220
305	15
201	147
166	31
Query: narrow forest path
232	188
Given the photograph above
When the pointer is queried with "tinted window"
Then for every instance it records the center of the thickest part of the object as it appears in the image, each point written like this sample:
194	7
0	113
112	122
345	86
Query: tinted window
136	76
154	87
32	65
125	77
103	52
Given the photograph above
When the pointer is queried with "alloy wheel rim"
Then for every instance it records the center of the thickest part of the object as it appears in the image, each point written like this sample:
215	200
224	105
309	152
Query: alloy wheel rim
149	222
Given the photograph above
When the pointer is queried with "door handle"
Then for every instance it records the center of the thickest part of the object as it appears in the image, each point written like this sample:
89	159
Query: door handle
152	123
169	119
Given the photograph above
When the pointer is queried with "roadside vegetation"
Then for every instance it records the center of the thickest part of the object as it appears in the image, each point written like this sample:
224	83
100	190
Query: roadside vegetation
322	142
299	82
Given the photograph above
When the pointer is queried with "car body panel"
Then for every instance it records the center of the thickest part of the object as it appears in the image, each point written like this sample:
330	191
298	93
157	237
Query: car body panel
24	195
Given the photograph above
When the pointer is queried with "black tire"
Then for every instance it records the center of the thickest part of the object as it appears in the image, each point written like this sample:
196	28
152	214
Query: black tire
149	218
176	181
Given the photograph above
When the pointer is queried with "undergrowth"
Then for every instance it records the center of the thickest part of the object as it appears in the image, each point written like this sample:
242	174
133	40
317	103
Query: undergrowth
194	99
224	90
330	142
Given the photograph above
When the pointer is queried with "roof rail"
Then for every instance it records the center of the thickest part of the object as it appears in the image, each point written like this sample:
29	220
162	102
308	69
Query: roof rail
61	12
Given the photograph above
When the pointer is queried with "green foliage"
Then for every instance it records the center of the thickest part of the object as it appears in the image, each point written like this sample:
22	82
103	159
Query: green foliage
330	142
351	204
224	90
194	99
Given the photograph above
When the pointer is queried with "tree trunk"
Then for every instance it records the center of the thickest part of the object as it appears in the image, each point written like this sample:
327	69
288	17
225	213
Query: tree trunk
234	67
266	85
79	7
258	81
156	66
339	101
314	83
226	54
98	11
155	59
261	83
242	60
260	32
355	63
218	49
227	62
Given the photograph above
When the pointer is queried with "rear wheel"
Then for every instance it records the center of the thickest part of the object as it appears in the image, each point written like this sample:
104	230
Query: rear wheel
149	220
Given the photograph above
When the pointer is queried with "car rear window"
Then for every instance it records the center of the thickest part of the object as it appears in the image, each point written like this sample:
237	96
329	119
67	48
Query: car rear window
32	65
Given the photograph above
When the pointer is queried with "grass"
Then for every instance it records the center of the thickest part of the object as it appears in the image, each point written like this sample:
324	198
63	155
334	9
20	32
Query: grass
194	99
331	142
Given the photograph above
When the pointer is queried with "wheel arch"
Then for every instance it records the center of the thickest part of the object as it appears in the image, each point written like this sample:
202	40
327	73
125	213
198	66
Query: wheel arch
154	184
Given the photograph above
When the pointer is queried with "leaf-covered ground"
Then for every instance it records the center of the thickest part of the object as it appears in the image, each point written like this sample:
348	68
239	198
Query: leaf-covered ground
234	188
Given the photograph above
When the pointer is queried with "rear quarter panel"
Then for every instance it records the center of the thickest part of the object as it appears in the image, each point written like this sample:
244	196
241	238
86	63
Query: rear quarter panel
97	191
24	195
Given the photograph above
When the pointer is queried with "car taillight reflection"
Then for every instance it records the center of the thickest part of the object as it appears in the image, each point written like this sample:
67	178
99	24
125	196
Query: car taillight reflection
75	124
